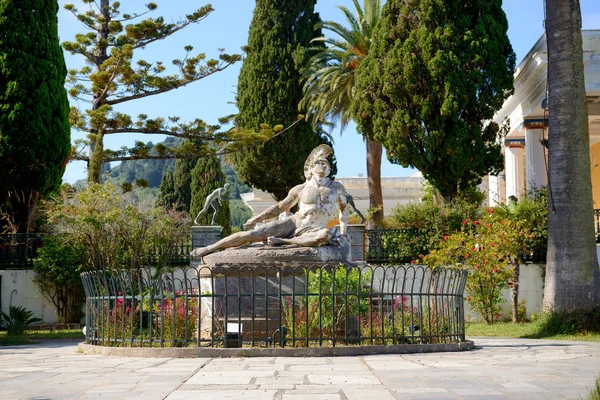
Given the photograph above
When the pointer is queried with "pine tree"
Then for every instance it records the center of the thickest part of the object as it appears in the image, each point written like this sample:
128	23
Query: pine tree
34	110
206	177
115	74
269	90
436	73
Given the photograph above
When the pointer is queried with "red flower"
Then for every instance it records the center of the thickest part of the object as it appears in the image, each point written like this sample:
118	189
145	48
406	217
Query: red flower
490	210
445	237
476	266
467	255
413	262
485	261
492	244
468	298
420	255
489	225
495	270
477	223
465	222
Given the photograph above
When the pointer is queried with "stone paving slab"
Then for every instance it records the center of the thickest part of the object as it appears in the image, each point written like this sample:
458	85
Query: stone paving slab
495	369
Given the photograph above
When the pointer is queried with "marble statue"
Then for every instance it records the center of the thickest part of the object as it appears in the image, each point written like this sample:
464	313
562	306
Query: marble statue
214	201
318	199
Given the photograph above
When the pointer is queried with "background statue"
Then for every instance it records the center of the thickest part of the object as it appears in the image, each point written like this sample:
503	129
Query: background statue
214	201
350	202
318	199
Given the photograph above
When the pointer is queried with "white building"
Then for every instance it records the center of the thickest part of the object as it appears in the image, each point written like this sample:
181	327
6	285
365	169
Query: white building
524	154
396	191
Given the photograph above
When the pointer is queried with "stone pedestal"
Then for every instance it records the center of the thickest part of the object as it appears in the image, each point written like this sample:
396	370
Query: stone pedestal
253	284
203	236
357	238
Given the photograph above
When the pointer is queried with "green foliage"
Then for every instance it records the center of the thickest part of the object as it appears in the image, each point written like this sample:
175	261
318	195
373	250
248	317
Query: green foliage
423	225
57	276
205	178
114	74
330	77
532	211
167	196
240	213
485	248
269	90
436	73
115	230
595	391
236	187
17	320
182	183
34	110
323	310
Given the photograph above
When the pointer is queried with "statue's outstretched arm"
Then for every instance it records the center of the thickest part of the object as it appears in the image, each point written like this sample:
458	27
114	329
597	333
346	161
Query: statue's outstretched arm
290	201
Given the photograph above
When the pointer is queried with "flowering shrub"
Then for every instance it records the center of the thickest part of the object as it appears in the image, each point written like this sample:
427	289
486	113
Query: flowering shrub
176	319
484	247
117	321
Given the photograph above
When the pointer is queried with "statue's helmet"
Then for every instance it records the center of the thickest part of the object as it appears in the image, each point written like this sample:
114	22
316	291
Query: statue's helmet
321	152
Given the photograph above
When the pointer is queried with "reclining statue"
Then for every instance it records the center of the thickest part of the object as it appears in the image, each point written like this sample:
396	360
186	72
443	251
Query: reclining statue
318	199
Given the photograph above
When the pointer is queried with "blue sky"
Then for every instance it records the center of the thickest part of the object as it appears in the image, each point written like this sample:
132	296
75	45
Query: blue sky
227	27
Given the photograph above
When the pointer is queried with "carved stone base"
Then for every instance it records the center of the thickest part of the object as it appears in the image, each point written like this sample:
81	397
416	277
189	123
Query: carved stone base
289	255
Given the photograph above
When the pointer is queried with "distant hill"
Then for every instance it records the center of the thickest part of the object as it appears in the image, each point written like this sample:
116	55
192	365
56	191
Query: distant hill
149	170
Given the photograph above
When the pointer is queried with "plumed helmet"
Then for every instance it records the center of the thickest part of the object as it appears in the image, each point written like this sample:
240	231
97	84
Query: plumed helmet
321	152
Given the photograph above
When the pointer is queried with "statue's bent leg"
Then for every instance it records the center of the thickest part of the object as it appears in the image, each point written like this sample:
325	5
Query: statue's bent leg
202	212
214	217
318	238
259	234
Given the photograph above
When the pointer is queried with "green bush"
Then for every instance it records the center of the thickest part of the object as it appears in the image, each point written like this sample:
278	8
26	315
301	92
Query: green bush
485	248
430	222
57	275
17	320
115	230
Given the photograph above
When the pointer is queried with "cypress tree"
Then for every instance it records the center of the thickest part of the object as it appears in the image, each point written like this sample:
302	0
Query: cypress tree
167	195
269	90
182	180
34	110
206	177
436	73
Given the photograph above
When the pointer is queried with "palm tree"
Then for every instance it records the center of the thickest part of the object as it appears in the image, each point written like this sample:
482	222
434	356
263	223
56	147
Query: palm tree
330	84
572	275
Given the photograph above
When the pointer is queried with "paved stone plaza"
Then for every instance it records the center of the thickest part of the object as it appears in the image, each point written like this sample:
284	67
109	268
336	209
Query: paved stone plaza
496	369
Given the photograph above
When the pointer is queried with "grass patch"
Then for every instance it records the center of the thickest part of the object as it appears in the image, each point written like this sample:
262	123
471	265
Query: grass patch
595	392
33	337
559	327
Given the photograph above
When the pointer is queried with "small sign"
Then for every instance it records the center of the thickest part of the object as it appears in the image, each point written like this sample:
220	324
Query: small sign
234	327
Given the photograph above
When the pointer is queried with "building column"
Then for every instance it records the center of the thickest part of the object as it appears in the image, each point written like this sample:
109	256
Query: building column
513	168
535	157
493	190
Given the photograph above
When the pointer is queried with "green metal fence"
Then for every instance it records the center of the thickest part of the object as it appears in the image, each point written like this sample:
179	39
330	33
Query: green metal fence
275	306
18	250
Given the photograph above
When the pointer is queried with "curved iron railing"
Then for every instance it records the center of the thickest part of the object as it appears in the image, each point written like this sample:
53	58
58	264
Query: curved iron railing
275	306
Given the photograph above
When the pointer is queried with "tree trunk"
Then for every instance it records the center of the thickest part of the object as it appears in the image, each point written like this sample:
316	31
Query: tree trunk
96	154
23	207
572	274
515	290
374	151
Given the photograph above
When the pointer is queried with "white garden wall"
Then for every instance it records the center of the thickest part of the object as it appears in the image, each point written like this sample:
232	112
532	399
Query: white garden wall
19	285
